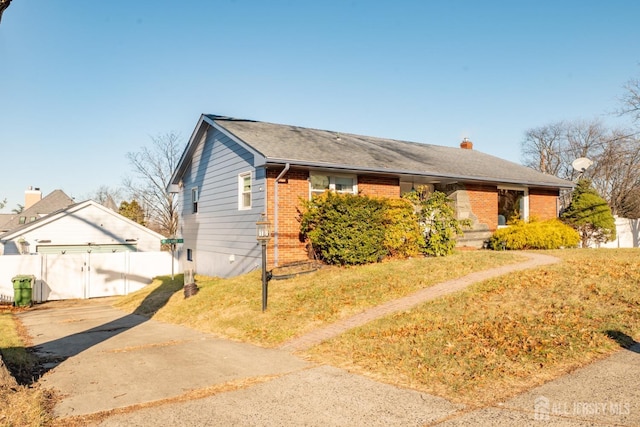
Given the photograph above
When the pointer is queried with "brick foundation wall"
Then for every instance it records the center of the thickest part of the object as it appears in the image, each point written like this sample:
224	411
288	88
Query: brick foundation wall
543	203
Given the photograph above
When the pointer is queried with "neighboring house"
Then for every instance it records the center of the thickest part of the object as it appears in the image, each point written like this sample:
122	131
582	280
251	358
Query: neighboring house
35	207
233	170
82	227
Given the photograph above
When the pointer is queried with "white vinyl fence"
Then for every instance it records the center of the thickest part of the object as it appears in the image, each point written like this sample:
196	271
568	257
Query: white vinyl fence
84	275
627	234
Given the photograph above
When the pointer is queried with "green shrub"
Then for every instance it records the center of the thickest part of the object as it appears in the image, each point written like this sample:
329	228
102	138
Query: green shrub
550	234
441	225
437	218
403	236
345	229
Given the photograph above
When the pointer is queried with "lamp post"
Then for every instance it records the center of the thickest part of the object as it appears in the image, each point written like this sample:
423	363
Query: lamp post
263	234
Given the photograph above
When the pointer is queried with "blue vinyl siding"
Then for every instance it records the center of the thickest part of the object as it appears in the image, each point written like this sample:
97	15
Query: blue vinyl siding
221	237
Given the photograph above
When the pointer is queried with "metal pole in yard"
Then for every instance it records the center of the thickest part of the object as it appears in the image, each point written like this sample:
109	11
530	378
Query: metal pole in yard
173	258
264	275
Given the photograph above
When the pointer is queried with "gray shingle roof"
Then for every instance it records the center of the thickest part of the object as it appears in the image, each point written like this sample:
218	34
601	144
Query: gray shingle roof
4	219
314	147
52	202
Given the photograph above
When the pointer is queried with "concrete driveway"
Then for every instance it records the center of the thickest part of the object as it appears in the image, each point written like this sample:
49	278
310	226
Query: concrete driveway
100	359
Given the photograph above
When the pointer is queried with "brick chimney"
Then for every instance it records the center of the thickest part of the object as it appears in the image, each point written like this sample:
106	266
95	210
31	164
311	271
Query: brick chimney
31	197
466	144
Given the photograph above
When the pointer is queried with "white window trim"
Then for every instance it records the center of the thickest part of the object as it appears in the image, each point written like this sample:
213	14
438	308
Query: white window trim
332	182
241	193
526	199
195	198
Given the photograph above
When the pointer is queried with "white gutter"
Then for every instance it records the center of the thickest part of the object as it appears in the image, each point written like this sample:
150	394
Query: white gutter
275	214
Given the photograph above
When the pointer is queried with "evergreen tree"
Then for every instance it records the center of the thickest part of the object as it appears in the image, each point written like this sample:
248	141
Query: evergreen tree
133	211
590	215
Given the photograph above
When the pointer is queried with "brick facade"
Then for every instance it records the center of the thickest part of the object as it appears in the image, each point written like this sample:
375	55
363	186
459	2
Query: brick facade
293	187
543	203
484	204
481	202
379	187
475	201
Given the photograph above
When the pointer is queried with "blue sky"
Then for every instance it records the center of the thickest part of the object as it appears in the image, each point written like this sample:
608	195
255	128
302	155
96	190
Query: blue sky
85	82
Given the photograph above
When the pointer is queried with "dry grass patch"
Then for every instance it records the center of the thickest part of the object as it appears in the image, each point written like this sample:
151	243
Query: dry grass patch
505	335
20	405
232	307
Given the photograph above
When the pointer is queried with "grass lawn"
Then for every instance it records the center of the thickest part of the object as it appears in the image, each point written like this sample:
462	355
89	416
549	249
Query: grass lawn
506	335
232	308
477	347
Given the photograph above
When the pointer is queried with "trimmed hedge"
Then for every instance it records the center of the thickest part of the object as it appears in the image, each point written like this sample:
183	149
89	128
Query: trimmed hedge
550	234
346	229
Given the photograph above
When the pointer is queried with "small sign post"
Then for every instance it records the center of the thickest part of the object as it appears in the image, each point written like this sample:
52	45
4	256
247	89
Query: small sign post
172	242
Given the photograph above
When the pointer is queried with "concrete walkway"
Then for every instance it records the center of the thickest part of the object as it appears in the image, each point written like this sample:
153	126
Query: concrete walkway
419	297
141	372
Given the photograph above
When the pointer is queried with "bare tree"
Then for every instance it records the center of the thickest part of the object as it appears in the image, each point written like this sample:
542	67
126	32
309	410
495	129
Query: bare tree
617	175
542	149
615	152
631	100
153	167
552	148
628	204
107	196
584	139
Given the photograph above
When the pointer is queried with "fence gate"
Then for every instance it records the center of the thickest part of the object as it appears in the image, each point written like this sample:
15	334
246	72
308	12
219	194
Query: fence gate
62	277
82	275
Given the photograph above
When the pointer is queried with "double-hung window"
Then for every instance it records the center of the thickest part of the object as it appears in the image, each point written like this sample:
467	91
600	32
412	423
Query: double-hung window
194	200
244	191
320	182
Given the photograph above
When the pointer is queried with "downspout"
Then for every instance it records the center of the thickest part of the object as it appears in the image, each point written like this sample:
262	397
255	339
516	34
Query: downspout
275	214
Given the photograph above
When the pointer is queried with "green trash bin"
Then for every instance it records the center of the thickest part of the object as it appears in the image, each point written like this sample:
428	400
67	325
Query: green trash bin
22	290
